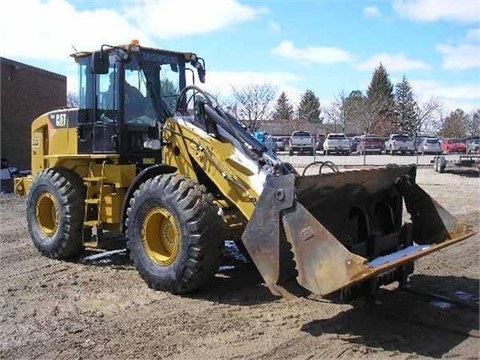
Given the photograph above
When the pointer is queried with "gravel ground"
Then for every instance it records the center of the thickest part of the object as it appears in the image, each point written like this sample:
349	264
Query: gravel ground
102	309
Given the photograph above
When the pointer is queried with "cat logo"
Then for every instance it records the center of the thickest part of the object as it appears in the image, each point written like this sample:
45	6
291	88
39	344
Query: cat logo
60	120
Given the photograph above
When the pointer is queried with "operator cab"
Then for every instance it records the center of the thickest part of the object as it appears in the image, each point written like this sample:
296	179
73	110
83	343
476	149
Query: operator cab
125	94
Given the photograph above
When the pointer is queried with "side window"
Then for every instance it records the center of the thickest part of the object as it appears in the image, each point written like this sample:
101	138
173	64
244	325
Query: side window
135	96
107	91
82	90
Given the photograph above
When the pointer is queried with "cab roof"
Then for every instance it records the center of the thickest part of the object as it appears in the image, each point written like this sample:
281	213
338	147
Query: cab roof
130	48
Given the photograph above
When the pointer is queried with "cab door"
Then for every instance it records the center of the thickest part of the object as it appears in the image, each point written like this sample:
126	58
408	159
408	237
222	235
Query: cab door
106	124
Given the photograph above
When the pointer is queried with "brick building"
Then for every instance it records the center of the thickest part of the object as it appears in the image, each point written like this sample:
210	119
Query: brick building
25	93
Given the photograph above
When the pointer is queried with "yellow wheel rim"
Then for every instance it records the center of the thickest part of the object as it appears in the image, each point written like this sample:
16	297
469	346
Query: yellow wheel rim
161	236
47	214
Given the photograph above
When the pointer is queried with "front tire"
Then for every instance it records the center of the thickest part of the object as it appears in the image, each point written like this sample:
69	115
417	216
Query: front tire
175	234
55	213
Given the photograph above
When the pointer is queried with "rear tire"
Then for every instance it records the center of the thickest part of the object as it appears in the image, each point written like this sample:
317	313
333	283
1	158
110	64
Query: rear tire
175	234
55	213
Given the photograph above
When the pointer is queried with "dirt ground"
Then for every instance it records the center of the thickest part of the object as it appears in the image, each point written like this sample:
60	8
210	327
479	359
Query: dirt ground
102	309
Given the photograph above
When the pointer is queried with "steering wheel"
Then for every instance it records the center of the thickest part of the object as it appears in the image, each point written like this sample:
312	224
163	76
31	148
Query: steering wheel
196	90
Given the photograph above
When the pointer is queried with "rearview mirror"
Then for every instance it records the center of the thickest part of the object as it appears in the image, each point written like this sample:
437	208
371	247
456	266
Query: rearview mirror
201	69
201	74
199	64
100	62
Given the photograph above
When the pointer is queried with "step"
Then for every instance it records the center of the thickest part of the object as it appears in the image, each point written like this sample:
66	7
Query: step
91	244
92	201
92	223
93	179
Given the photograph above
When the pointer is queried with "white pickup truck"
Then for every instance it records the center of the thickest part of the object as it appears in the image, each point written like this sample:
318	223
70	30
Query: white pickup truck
399	143
336	143
302	141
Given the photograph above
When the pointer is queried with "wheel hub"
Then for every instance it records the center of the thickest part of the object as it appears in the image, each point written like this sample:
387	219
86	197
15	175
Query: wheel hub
47	214
161	236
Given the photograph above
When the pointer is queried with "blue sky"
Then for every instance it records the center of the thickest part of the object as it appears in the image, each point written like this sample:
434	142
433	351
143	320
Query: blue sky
326	46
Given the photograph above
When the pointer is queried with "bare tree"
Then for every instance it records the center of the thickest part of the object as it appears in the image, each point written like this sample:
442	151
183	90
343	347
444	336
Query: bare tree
72	99
428	115
333	114
254	104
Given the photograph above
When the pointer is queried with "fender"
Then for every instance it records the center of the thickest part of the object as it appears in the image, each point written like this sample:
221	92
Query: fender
143	176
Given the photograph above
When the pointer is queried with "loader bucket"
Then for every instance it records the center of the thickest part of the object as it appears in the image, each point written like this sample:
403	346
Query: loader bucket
344	228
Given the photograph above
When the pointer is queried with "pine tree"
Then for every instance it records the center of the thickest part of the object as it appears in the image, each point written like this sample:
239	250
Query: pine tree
405	107
474	123
309	107
283	109
381	102
354	112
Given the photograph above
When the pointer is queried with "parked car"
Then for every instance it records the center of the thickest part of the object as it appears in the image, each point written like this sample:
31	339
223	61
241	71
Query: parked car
278	143
319	143
301	141
417	140
370	144
453	146
429	146
354	143
7	173
336	143
399	143
473	145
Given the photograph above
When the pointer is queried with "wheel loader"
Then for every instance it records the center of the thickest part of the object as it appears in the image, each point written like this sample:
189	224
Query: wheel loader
157	161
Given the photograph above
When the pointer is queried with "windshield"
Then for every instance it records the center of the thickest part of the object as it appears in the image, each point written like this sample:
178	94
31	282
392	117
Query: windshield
158	77
301	133
336	136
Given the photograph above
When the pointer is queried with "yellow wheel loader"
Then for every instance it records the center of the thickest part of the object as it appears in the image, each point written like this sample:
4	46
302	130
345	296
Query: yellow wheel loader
146	156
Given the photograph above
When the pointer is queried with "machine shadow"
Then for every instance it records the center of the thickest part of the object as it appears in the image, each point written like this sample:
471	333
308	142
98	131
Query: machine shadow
237	281
240	286
407	322
468	173
117	259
